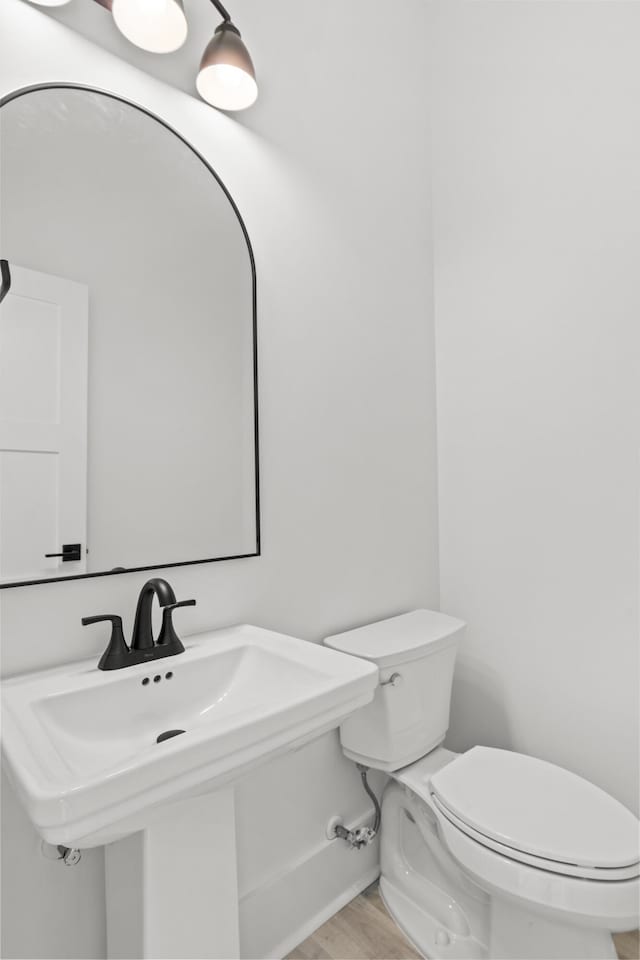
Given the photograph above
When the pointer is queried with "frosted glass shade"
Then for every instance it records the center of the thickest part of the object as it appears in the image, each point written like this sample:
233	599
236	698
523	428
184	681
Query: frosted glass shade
226	78
158	26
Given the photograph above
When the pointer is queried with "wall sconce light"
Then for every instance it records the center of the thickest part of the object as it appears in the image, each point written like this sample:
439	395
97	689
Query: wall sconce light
226	78
158	26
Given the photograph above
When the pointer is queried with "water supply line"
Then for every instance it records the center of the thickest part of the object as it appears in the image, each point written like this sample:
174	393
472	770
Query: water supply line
361	836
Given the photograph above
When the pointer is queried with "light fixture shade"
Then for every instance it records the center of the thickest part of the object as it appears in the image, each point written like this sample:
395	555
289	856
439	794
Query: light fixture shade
158	26
226	78
50	3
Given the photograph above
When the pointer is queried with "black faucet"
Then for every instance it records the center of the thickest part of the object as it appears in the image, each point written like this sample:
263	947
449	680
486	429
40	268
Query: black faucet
142	637
143	647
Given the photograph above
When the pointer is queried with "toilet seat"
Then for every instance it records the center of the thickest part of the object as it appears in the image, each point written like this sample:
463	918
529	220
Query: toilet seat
565	869
538	814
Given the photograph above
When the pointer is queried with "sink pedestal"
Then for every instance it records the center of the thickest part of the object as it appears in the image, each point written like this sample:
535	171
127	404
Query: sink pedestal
172	888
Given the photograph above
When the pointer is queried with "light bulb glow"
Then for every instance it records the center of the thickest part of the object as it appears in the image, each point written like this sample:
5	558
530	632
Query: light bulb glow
158	26
227	78
227	87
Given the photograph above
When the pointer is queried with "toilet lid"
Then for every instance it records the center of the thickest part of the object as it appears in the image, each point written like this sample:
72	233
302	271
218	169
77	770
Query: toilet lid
399	639
537	808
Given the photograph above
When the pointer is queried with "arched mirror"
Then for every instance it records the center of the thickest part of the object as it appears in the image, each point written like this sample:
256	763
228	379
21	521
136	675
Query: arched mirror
128	411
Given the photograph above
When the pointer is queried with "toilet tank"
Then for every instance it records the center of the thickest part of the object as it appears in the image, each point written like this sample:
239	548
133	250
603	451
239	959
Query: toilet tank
409	716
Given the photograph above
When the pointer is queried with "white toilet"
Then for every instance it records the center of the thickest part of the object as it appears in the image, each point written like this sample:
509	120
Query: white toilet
488	853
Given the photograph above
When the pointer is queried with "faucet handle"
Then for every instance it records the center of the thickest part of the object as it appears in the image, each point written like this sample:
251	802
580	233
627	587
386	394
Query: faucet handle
180	603
168	636
115	620
117	652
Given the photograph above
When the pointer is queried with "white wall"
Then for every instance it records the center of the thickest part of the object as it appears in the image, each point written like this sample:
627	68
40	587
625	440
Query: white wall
537	205
330	180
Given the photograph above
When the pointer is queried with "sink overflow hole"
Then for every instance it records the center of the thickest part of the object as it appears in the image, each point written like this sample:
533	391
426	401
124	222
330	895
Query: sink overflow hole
168	734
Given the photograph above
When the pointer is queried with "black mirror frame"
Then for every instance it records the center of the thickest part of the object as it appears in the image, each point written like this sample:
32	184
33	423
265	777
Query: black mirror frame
22	91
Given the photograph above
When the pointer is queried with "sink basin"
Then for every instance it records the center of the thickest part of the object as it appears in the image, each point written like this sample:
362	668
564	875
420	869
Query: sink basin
81	745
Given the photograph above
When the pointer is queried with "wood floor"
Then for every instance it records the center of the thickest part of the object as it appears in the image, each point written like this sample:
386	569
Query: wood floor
363	930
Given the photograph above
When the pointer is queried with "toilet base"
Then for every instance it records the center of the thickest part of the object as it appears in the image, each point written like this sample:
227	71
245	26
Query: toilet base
447	916
519	933
512	937
435	941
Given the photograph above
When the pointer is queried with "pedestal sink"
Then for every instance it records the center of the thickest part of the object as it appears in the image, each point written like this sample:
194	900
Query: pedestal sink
81	748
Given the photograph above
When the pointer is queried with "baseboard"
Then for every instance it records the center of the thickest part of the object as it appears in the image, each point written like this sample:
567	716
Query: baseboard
306	929
278	915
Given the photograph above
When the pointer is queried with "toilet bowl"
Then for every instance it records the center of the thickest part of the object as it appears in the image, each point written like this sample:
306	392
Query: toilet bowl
489	853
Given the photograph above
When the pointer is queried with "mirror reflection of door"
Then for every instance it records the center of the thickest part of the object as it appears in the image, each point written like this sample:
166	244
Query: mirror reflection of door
43	425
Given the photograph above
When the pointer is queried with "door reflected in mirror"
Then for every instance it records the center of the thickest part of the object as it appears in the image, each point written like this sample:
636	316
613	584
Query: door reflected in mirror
128	426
